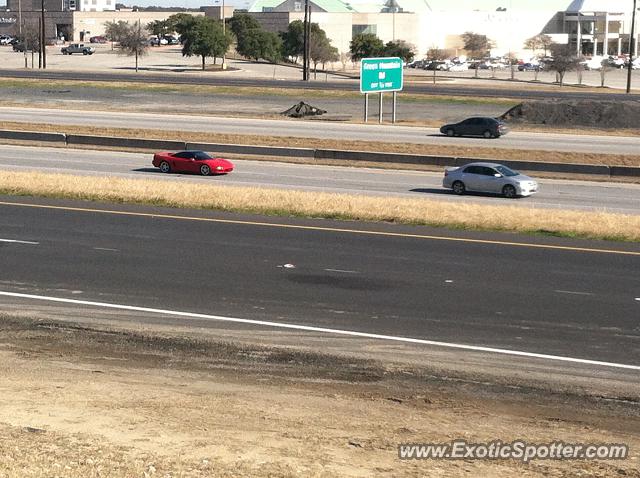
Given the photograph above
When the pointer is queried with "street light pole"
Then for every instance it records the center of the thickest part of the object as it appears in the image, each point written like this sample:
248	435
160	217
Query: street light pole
305	73
224	34
44	42
631	47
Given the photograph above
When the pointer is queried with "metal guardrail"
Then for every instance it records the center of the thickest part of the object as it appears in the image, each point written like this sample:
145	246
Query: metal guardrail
317	154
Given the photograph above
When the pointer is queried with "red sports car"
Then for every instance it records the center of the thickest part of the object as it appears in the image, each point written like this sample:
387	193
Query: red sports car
191	162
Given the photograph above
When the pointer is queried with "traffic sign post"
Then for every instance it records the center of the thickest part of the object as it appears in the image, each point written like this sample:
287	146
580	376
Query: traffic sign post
378	75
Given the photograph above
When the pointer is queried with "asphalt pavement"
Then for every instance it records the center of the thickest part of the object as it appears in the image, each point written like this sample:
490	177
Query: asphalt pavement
559	194
476	289
321	129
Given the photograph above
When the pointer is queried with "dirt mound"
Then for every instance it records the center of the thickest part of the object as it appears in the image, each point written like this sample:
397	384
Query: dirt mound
600	113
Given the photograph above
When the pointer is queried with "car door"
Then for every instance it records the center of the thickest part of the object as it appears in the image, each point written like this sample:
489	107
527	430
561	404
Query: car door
489	182
182	161
465	127
475	126
471	177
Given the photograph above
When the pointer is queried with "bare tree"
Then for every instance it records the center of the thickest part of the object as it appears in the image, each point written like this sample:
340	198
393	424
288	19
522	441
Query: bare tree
476	44
579	71
133	41
564	59
537	42
344	59
604	69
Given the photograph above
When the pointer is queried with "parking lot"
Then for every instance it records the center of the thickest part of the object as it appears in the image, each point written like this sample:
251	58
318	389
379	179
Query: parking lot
170	59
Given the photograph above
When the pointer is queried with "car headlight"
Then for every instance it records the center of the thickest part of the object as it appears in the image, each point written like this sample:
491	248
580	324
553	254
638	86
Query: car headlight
219	168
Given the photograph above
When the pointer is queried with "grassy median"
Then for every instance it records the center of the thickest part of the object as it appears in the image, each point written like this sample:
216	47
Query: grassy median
593	225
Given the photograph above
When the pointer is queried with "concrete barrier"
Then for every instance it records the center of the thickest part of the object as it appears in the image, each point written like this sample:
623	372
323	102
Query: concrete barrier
597	169
318	154
158	144
33	136
384	157
254	150
626	171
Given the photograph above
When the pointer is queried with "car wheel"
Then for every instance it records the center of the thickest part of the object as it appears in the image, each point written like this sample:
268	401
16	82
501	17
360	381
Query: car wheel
165	167
458	188
85	52
509	191
450	132
487	134
205	170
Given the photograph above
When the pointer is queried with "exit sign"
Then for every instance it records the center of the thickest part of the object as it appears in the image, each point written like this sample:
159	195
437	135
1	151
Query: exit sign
378	75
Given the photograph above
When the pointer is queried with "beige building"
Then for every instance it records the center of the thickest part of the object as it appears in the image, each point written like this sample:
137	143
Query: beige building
89	24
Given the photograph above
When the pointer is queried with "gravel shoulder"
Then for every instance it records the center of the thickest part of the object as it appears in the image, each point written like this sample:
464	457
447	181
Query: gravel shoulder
81	398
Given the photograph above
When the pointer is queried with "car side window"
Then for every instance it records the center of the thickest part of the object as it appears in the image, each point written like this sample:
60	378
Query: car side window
472	170
488	171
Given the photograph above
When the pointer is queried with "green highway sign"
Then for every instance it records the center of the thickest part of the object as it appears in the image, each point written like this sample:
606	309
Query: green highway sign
380	74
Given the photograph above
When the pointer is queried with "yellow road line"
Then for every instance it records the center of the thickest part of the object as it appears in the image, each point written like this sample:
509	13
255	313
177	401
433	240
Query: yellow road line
326	229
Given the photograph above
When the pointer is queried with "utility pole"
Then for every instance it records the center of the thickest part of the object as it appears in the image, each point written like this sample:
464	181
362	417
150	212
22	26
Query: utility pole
309	45
305	74
224	34
631	47
43	44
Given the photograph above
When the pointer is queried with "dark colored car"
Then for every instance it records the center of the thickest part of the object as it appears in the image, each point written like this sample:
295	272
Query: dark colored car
477	126
98	39
20	46
529	67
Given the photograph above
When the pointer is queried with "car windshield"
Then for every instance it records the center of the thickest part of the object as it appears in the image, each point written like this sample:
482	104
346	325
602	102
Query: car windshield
201	155
506	171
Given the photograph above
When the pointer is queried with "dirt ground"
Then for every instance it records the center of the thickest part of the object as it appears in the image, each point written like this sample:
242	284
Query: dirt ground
85	401
602	113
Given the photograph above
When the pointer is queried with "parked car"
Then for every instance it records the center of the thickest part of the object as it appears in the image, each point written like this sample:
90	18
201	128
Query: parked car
616	62
5	39
530	67
477	126
459	67
191	162
171	40
438	65
416	64
488	178
77	48
19	46
594	63
155	41
98	39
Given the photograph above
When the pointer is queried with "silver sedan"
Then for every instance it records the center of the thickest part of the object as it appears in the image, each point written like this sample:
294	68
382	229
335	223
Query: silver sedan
489	178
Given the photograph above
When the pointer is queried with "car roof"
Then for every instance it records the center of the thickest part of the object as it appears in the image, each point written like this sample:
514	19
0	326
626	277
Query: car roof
491	165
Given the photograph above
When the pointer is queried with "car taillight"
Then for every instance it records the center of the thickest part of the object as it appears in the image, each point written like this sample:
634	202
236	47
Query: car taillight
446	173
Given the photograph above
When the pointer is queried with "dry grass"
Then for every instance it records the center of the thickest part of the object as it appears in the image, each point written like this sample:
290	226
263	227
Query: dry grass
297	142
246	91
597	225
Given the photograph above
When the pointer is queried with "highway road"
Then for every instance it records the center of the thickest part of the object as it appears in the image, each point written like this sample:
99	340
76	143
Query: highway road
579	195
320	129
569	302
494	90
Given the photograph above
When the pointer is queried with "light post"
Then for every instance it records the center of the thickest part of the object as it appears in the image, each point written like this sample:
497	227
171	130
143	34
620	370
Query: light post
224	34
631	47
43	46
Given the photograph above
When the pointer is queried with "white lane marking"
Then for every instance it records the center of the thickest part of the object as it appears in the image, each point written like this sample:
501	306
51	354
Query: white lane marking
573	292
308	328
16	241
343	271
105	249
638	298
